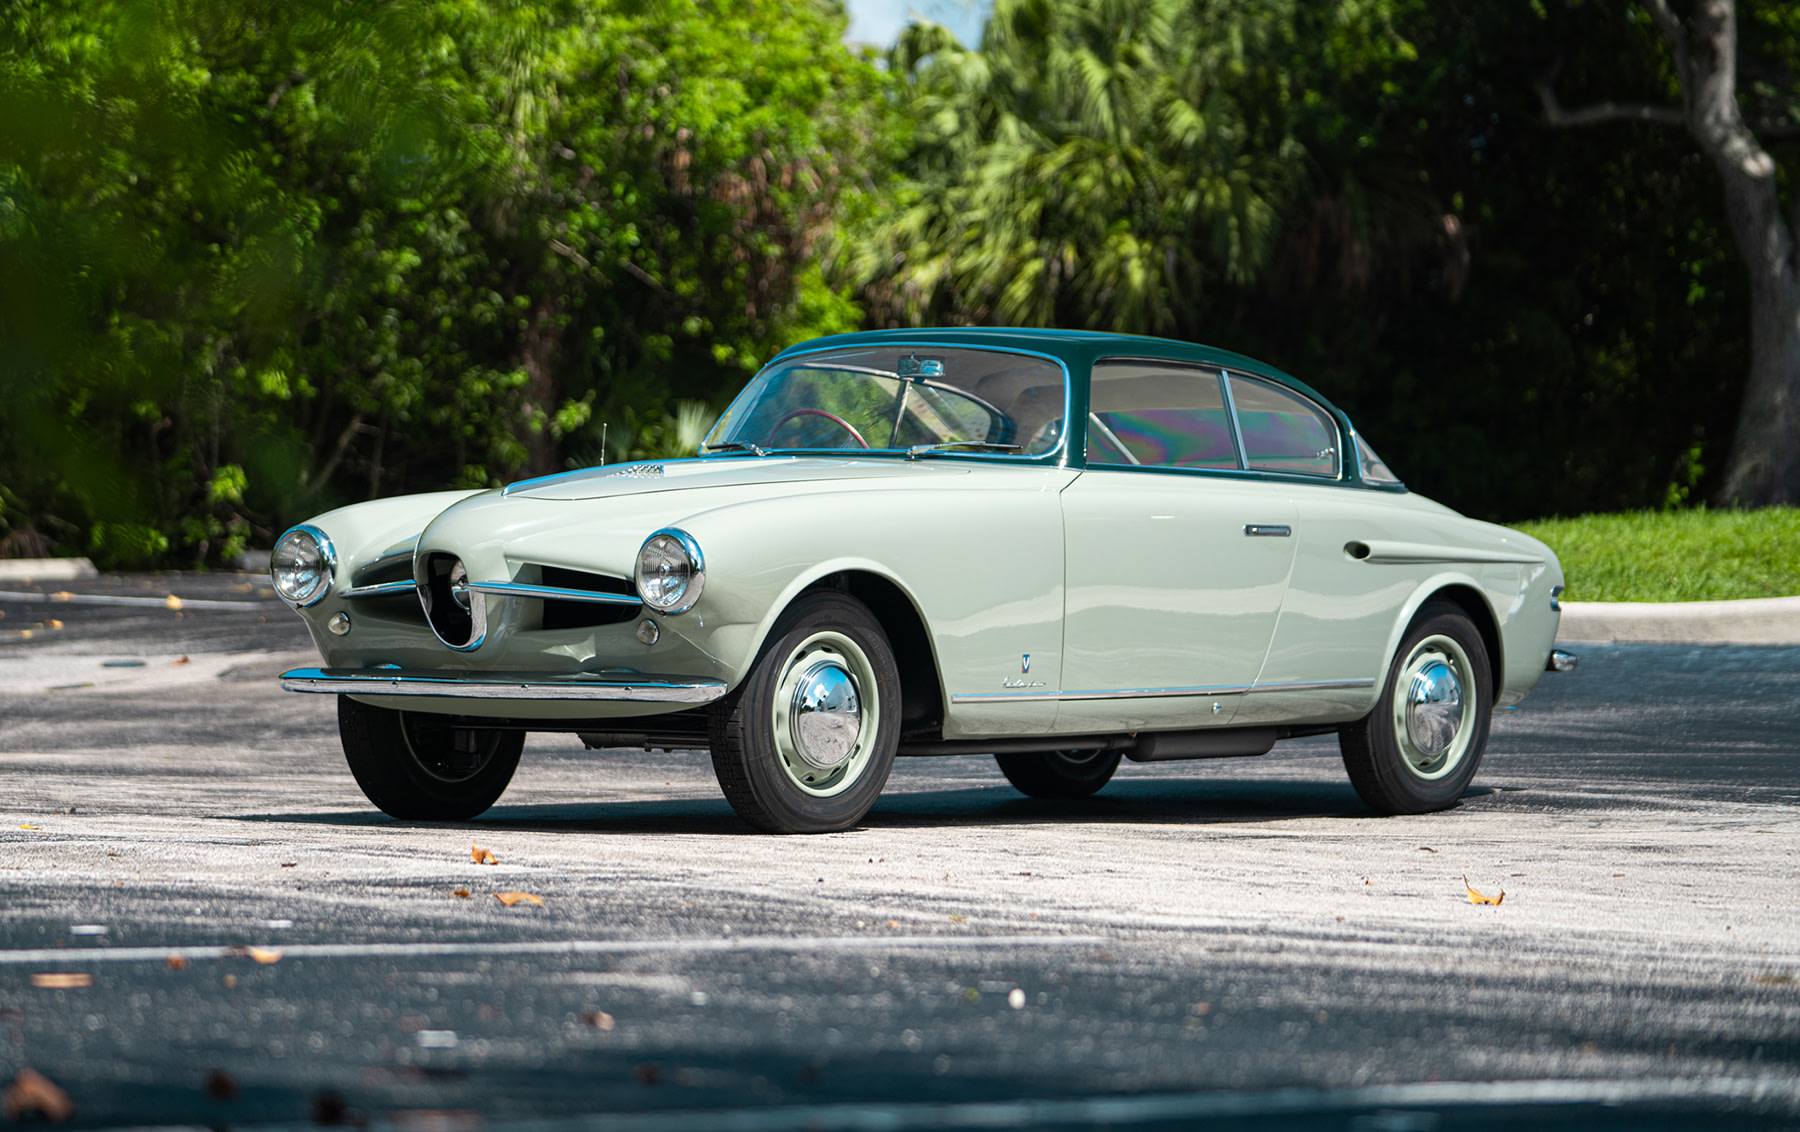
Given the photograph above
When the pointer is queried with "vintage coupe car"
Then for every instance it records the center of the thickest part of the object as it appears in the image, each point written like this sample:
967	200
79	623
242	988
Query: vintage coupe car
1056	548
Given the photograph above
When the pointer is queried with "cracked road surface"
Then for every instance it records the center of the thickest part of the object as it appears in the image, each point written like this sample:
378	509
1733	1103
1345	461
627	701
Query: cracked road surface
203	922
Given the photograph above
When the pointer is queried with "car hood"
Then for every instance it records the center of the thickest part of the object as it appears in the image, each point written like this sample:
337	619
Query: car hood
650	476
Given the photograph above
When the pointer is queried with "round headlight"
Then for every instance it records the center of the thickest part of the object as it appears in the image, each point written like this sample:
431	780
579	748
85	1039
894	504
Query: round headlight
302	565
670	571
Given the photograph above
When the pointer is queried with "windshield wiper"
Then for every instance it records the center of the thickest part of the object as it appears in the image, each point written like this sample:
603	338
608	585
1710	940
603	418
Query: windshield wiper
918	450
736	446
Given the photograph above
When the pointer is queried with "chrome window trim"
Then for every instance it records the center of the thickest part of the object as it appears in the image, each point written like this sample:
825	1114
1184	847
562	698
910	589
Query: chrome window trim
1056	455
628	687
1157	693
327	551
552	593
1231	416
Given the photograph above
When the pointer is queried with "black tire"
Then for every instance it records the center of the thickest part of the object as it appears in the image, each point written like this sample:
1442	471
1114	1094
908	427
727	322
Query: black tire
1392	770
1059	774
409	763
760	761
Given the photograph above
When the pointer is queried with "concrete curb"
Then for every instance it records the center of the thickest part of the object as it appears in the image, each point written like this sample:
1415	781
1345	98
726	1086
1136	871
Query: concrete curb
45	569
1754	621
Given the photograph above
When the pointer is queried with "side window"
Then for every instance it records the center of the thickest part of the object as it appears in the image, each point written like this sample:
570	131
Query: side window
1282	431
1158	415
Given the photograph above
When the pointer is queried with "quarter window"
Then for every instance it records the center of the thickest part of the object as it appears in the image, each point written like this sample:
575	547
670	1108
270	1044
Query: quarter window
1282	431
1141	413
1374	469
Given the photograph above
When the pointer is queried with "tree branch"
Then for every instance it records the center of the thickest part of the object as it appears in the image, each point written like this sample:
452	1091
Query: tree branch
1600	112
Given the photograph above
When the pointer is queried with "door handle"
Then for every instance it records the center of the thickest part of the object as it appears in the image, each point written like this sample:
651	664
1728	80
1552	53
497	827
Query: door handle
1267	530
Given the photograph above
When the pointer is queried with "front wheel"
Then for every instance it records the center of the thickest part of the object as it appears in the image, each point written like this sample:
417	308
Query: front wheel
806	742
417	767
1059	774
1418	750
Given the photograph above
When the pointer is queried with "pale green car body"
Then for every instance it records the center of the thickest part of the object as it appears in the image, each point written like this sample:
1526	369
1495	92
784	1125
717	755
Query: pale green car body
1055	599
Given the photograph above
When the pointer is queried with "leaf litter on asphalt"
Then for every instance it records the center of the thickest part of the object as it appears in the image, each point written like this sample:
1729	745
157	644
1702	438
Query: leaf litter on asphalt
33	1094
1476	897
511	898
482	856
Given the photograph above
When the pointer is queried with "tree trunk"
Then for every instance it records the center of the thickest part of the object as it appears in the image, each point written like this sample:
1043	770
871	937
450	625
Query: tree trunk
1764	470
1764	466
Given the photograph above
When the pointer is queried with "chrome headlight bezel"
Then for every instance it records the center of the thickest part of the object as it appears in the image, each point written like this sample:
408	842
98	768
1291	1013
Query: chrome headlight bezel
679	544
327	568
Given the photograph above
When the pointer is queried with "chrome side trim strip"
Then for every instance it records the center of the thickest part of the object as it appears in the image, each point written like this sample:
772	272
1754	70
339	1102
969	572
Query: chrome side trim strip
1154	693
1314	686
629	687
553	593
380	589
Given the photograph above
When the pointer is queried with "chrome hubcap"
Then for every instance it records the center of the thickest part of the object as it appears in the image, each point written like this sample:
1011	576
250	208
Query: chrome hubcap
1434	708
825	715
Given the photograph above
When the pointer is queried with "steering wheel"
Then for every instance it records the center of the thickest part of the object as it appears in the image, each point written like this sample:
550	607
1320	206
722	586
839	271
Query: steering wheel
832	417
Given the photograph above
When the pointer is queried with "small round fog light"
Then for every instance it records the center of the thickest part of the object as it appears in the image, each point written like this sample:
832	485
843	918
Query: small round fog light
339	624
648	632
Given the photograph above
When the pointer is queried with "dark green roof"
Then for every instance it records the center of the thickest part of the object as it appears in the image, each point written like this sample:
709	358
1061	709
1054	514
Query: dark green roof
1075	348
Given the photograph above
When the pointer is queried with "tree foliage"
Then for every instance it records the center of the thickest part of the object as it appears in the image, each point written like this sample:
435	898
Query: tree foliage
1526	321
264	257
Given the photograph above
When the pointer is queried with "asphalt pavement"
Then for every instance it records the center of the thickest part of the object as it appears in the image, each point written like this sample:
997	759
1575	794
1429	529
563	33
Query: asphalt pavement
203	922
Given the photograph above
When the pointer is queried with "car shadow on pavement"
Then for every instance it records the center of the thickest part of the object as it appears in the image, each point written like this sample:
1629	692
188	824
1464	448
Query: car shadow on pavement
1154	803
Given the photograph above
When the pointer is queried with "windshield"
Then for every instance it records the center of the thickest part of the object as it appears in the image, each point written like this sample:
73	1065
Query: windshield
898	398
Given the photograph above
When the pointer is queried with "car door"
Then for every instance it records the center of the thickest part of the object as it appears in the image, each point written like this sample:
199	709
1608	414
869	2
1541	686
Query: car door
1175	559
1330	638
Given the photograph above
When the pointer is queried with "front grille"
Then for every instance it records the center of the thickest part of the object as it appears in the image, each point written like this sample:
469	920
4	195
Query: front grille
455	625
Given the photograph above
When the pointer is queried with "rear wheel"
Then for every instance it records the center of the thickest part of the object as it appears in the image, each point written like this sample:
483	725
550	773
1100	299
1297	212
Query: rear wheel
417	767
1059	774
806	742
1420	747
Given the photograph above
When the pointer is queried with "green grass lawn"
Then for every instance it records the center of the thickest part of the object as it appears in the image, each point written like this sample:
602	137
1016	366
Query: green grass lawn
1697	555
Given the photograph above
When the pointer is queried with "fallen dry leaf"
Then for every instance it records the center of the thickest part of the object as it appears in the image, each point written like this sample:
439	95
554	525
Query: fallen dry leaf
598	1019
462	892
54	623
177	962
32	1092
1426	849
182	659
481	856
172	602
266	955
63	980
893	923
1478	898
511	898
230	982
28	827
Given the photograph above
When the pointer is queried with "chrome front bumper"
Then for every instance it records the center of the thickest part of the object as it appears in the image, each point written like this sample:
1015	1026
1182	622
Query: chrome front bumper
632	687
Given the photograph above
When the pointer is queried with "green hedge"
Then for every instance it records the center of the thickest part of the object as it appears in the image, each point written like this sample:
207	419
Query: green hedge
1697	555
